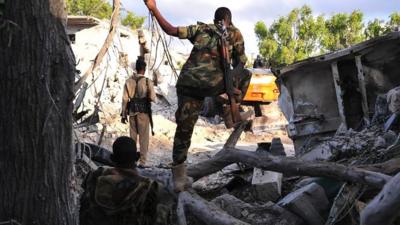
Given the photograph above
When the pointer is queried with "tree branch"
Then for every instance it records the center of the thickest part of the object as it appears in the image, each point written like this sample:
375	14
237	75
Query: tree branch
205	211
385	207
104	48
287	165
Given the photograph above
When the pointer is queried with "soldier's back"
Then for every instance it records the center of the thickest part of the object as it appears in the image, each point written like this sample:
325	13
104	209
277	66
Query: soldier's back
119	197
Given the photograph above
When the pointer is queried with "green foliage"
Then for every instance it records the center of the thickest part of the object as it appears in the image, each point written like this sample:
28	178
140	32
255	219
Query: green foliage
97	8
290	38
378	27
300	35
133	21
343	30
103	10
394	20
375	28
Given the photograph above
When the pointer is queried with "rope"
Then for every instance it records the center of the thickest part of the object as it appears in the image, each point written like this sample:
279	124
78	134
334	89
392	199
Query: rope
156	29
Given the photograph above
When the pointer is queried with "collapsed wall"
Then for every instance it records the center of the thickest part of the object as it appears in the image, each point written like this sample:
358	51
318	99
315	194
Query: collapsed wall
320	94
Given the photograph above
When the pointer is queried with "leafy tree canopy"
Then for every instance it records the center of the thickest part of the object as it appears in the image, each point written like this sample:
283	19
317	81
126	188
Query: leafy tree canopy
300	35
97	8
133	21
102	9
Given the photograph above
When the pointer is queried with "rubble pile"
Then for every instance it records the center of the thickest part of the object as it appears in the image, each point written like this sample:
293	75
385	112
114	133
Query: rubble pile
367	143
256	196
253	192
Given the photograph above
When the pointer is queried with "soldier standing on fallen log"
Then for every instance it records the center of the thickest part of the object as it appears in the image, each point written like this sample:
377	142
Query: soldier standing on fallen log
136	103
202	75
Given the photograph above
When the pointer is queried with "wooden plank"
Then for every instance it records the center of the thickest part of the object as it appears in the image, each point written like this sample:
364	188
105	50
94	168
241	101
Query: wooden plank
338	89
363	91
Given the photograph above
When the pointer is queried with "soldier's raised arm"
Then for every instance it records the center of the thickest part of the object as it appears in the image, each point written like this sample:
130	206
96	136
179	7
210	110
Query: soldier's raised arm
165	25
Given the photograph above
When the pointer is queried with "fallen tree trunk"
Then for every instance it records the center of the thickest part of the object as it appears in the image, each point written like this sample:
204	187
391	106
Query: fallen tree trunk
104	48
286	165
203	210
385	207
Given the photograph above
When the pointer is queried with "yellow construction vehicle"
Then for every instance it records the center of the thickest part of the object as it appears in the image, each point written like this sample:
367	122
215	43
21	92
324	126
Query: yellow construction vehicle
262	89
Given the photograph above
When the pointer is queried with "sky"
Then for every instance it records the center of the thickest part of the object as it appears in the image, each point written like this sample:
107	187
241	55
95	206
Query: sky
247	12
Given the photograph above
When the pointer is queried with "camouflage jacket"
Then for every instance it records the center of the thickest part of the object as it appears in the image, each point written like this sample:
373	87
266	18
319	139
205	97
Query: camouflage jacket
118	197
202	73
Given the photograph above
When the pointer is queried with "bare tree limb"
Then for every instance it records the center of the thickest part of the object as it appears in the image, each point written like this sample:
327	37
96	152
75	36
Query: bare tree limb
205	211
106	45
234	137
385	207
287	165
390	167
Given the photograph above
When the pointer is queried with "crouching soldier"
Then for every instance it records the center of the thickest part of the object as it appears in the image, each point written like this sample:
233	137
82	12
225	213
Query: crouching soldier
118	195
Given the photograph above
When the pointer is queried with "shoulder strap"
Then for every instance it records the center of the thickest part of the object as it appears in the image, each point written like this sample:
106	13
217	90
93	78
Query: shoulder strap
137	82
126	88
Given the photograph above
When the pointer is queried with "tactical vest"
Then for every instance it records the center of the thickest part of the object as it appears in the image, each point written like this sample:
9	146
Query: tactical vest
140	105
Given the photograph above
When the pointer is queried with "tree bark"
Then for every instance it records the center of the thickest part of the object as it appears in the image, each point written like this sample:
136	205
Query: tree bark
203	210
36	93
390	167
106	45
385	207
287	165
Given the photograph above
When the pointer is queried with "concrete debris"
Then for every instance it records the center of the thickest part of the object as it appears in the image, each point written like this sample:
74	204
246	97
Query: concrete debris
381	109
267	184
216	181
393	100
256	214
350	144
309	203
277	148
321	152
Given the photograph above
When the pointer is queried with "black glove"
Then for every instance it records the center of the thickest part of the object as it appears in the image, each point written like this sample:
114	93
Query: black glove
123	120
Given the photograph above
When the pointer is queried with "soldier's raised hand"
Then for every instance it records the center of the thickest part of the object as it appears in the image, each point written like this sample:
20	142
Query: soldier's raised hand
151	4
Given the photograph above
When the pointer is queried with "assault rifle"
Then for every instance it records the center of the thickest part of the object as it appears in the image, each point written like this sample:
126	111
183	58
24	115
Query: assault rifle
230	89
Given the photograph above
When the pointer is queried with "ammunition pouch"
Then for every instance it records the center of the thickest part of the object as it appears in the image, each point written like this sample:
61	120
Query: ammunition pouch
140	105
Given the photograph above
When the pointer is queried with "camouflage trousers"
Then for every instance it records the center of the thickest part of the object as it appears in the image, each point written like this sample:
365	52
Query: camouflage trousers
186	117
188	112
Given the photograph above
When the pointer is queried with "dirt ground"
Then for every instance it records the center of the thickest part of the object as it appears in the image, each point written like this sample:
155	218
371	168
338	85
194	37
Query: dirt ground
208	136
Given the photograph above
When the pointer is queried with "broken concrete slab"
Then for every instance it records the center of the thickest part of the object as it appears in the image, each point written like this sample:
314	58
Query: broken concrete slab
267	185
277	148
268	213
308	203
393	100
321	152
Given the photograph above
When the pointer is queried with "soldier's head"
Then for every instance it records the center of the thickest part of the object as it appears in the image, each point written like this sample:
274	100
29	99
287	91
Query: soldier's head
124	152
223	13
140	65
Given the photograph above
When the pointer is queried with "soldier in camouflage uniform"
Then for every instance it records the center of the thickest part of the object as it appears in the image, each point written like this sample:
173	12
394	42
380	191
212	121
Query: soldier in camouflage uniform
119	195
201	76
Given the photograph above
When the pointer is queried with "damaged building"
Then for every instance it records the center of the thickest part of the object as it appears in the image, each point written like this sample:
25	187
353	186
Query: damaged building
320	94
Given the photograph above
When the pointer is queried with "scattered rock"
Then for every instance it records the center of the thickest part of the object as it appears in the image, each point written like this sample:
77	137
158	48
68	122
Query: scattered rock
268	213
393	100
308	202
267	185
